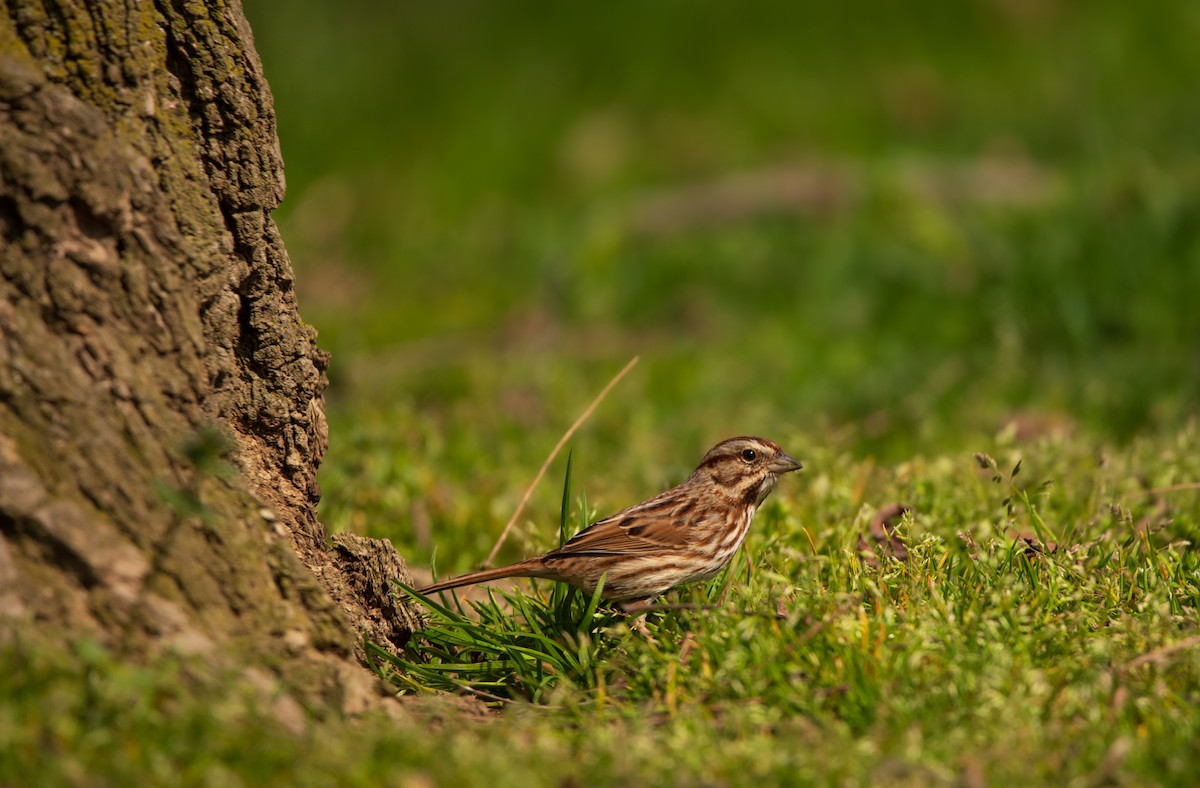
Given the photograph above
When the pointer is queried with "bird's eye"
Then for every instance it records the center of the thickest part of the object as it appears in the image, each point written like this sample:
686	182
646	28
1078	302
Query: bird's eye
749	455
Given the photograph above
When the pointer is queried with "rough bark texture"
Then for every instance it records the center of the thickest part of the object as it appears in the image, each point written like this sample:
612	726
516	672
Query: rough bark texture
147	305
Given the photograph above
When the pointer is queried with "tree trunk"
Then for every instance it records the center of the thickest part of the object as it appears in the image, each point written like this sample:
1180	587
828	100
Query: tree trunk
148	328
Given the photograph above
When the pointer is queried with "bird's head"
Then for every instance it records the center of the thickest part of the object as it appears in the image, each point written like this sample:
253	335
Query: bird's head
746	468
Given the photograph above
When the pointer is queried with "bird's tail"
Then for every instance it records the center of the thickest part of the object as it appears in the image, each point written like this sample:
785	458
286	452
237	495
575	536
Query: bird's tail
520	569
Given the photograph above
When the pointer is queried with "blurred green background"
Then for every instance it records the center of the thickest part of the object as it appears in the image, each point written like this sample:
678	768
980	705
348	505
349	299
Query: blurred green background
881	228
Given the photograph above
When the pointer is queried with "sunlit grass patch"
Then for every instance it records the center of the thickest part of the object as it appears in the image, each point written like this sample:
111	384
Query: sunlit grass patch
517	649
1022	610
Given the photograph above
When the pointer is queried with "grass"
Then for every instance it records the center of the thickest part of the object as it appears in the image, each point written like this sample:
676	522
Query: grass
987	649
475	214
520	649
985	657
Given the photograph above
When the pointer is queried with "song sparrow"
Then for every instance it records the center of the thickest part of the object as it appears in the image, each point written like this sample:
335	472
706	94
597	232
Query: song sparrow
684	535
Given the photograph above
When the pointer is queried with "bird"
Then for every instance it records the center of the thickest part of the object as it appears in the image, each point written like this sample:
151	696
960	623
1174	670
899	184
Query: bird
684	535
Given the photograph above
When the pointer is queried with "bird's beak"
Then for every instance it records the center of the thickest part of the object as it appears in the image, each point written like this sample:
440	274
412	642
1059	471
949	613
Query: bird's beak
784	464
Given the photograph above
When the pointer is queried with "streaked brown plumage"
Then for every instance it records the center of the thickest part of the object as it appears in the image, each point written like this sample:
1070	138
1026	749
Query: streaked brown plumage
684	535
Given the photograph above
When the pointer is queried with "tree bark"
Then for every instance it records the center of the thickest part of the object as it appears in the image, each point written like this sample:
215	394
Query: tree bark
161	420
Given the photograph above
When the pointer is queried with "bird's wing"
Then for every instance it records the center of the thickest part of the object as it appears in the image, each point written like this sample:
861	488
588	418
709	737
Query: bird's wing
662	524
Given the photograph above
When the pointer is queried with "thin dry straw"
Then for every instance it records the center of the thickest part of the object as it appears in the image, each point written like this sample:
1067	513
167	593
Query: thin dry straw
561	442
